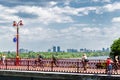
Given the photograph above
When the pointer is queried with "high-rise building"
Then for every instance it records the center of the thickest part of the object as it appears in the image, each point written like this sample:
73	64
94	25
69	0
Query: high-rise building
58	48
103	49
54	48
107	49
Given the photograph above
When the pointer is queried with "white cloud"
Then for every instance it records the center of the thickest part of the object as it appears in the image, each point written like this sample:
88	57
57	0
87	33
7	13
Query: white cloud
40	33
7	14
46	15
93	37
95	0
107	0
37	33
89	37
77	11
67	2
55	14
107	8
101	1
112	7
52	3
116	19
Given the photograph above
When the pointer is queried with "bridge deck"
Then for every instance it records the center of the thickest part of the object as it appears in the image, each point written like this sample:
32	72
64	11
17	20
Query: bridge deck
57	69
37	75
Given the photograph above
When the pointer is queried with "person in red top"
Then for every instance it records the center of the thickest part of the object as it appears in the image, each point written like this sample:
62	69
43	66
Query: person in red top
109	65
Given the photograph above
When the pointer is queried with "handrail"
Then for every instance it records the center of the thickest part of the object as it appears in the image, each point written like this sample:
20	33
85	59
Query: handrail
63	65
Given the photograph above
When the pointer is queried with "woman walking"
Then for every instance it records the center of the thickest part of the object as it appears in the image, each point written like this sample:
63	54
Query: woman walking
116	64
84	61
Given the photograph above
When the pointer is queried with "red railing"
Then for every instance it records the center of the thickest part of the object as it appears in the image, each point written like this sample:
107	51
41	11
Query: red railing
63	65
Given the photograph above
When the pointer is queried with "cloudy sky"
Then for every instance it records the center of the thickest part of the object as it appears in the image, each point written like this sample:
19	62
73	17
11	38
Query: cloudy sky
91	24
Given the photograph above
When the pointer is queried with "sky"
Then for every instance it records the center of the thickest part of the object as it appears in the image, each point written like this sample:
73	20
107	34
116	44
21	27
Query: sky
91	24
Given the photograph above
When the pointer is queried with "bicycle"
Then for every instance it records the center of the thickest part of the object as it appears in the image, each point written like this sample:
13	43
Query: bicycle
38	63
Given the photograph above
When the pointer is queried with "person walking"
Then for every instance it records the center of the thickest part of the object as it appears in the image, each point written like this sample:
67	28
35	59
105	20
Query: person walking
84	61
109	65
116	64
3	59
39	60
0	58
54	60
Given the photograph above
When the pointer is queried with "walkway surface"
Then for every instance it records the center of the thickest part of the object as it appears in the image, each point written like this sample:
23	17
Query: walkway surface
57	69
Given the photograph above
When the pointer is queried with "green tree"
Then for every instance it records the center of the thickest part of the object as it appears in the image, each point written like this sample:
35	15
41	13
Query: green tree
115	48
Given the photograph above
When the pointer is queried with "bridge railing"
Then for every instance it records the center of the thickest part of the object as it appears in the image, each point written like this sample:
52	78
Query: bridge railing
61	65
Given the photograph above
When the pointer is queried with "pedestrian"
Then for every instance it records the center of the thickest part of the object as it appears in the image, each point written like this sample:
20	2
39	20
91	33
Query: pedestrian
54	60
84	61
109	65
0	58
39	60
116	64
3	59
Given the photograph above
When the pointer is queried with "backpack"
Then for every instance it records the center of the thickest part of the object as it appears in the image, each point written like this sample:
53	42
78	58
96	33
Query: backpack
86	60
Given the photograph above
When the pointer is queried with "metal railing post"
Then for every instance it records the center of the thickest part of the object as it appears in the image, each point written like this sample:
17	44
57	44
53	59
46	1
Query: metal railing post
28	65
78	66
52	65
6	64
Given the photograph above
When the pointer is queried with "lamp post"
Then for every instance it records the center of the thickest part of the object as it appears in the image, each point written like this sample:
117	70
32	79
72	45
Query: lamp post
17	24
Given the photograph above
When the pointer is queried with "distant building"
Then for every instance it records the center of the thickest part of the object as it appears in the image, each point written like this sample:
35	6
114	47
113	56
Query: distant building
108	50
72	50
81	50
85	50
58	49
49	50
23	51
54	48
105	50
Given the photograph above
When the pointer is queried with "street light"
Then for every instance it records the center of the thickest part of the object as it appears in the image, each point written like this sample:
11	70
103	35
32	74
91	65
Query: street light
17	24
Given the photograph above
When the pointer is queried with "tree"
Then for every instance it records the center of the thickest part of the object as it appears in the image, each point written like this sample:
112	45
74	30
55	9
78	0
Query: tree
115	48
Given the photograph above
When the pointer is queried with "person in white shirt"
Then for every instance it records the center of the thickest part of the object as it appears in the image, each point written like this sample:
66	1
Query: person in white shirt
84	61
116	63
3	59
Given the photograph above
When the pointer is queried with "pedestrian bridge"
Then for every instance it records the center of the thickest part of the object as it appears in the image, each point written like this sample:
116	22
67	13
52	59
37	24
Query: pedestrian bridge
65	69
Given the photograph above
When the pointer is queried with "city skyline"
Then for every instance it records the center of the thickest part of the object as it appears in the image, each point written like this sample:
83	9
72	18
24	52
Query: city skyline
60	49
91	24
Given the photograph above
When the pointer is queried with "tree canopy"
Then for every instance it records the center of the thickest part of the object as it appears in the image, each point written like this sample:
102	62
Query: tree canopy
115	48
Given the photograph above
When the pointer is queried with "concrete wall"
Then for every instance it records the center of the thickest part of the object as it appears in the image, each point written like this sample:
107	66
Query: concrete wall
34	75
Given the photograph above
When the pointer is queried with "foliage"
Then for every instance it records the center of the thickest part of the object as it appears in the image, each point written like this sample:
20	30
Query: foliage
115	48
56	54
